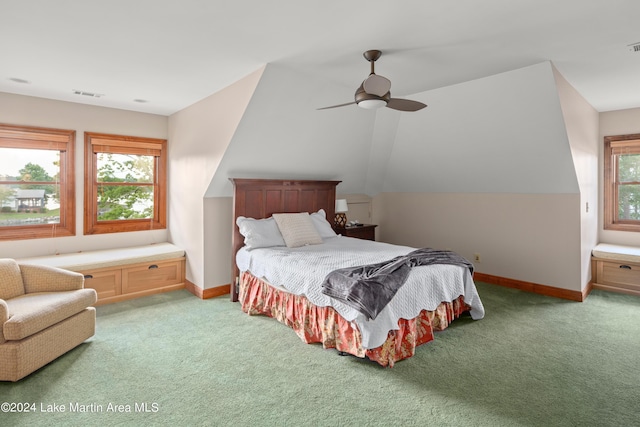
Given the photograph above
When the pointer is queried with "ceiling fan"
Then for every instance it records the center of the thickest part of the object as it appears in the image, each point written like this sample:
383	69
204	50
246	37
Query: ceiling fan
374	91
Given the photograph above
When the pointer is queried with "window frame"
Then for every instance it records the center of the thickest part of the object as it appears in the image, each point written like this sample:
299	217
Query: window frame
118	144
613	146
40	138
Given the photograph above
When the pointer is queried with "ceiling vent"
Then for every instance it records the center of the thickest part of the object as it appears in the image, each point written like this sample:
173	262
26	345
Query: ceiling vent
19	80
635	47
91	94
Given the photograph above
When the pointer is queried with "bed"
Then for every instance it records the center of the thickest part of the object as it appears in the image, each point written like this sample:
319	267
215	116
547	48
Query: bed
284	281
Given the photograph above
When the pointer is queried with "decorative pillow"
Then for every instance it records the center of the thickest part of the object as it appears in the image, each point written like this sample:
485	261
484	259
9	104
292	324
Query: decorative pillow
297	229
322	225
260	233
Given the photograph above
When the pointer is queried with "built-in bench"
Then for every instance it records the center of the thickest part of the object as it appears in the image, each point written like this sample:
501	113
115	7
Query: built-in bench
616	268
121	274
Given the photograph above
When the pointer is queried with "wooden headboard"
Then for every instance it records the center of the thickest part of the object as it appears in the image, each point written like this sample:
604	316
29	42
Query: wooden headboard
260	198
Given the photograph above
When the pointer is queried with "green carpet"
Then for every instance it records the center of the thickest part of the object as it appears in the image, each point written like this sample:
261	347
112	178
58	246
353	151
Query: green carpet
172	359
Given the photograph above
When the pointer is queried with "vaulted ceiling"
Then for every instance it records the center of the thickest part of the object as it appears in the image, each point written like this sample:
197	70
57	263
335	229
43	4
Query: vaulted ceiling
162	56
487	135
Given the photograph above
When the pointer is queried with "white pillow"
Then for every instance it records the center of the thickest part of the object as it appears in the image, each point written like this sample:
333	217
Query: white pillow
322	225
260	233
297	229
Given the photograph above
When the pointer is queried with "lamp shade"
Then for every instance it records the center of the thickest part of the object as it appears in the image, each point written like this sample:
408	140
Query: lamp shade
341	205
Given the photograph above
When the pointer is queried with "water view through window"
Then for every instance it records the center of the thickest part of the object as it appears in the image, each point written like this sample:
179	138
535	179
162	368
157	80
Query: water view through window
29	187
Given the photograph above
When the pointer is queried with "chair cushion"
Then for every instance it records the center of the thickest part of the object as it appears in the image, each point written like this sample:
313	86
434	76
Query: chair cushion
32	313
11	284
92	260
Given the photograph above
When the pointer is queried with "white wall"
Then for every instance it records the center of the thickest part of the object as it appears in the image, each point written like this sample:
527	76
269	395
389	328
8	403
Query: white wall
500	134
199	136
280	135
30	111
217	260
283	135
382	144
529	237
493	154
621	122
360	207
488	169
582	121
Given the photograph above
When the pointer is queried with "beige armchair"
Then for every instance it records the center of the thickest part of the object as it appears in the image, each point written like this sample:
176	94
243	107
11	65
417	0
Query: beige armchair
44	312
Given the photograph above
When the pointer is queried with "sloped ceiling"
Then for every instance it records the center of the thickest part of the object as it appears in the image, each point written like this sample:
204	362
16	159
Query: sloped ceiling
503	133
162	56
283	135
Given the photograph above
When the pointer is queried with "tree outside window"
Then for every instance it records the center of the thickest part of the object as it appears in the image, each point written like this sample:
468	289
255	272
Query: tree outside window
118	202
125	183
622	182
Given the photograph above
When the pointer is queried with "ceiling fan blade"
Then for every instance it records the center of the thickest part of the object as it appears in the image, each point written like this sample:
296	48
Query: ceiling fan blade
336	106
405	104
376	85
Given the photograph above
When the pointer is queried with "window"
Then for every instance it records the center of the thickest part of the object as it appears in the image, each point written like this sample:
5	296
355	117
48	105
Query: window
37	186
622	182
125	183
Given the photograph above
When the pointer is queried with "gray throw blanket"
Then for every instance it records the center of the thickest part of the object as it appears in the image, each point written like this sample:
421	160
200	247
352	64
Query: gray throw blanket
369	288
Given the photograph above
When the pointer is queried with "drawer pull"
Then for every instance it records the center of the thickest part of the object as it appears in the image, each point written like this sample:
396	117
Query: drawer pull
152	266
88	276
626	267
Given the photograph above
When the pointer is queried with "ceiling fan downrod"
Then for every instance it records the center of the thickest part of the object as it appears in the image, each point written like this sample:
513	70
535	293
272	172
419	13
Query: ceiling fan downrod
372	56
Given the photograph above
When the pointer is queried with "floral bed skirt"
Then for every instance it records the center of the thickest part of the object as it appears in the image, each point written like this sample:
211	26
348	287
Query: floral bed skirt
324	325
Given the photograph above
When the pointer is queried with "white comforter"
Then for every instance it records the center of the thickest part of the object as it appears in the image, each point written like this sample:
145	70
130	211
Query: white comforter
301	271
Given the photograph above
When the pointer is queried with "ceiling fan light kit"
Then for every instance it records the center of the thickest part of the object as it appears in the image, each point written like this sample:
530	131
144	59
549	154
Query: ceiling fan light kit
374	91
372	104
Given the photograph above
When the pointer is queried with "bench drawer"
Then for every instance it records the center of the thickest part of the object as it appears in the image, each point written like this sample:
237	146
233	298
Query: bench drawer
620	276
107	283
152	275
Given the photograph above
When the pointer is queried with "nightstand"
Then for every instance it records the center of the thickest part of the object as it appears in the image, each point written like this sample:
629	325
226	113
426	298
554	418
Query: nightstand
364	231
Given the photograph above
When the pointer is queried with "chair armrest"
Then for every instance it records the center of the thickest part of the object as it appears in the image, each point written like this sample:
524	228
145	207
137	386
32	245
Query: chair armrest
4	313
41	278
4	316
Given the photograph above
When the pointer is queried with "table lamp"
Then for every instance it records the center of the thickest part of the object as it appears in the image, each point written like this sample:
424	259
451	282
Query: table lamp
340	219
